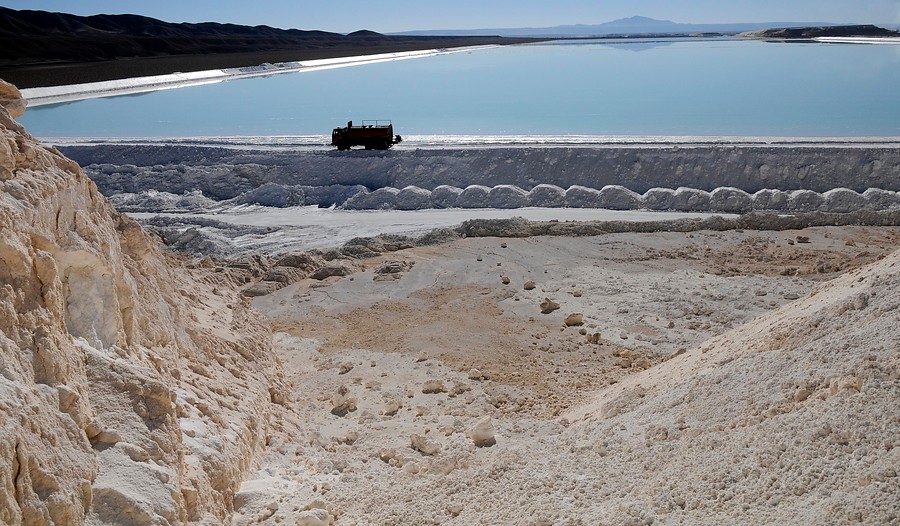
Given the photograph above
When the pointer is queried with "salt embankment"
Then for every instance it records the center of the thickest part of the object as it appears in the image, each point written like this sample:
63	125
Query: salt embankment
131	86
713	176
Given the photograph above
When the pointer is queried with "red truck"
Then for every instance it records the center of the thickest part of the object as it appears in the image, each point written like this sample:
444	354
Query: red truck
374	135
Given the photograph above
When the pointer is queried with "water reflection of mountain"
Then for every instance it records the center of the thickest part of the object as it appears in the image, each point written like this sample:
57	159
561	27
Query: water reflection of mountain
634	45
638	46
631	44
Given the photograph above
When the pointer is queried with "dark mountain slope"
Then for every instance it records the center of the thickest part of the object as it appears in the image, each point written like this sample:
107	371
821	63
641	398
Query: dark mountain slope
831	31
39	48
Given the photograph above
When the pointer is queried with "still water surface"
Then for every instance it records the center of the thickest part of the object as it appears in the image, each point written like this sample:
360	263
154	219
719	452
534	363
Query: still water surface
686	87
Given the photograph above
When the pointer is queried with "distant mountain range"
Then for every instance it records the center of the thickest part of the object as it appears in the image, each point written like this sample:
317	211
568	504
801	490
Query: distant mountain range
40	36
40	48
827	31
635	25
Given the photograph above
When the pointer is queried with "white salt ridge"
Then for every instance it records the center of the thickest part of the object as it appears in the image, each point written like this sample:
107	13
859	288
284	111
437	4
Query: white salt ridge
309	227
413	141
91	90
858	40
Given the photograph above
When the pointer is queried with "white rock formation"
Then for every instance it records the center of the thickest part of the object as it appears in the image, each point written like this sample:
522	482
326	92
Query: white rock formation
314	517
130	392
482	434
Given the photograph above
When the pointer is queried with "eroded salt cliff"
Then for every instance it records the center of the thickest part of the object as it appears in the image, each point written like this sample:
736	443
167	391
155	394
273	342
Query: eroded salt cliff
132	389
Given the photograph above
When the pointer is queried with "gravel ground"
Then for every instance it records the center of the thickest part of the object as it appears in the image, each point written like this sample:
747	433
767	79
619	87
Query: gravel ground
680	378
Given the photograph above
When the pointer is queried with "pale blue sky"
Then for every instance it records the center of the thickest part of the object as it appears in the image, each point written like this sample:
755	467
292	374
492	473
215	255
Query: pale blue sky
403	15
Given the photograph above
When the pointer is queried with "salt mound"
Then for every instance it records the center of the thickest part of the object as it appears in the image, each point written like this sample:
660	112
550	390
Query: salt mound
878	199
272	194
381	199
615	197
769	199
413	198
578	196
474	196
790	418
659	198
507	196
730	200
547	195
444	196
690	199
153	201
842	200
805	201
329	195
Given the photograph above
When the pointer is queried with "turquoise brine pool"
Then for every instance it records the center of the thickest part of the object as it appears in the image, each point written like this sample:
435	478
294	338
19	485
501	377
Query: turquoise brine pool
595	87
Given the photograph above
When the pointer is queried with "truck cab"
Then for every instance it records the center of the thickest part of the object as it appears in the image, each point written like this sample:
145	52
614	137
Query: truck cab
372	134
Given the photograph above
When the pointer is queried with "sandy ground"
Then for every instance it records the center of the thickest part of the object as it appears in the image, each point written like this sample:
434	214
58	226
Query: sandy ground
394	367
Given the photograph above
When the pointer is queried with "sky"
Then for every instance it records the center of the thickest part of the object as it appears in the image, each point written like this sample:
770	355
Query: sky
405	15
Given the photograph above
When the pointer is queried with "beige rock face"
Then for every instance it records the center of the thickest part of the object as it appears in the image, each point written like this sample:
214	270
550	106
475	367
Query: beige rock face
131	391
11	99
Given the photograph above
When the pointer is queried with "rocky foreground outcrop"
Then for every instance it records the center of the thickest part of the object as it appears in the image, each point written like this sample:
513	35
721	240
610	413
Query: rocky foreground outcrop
132	389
